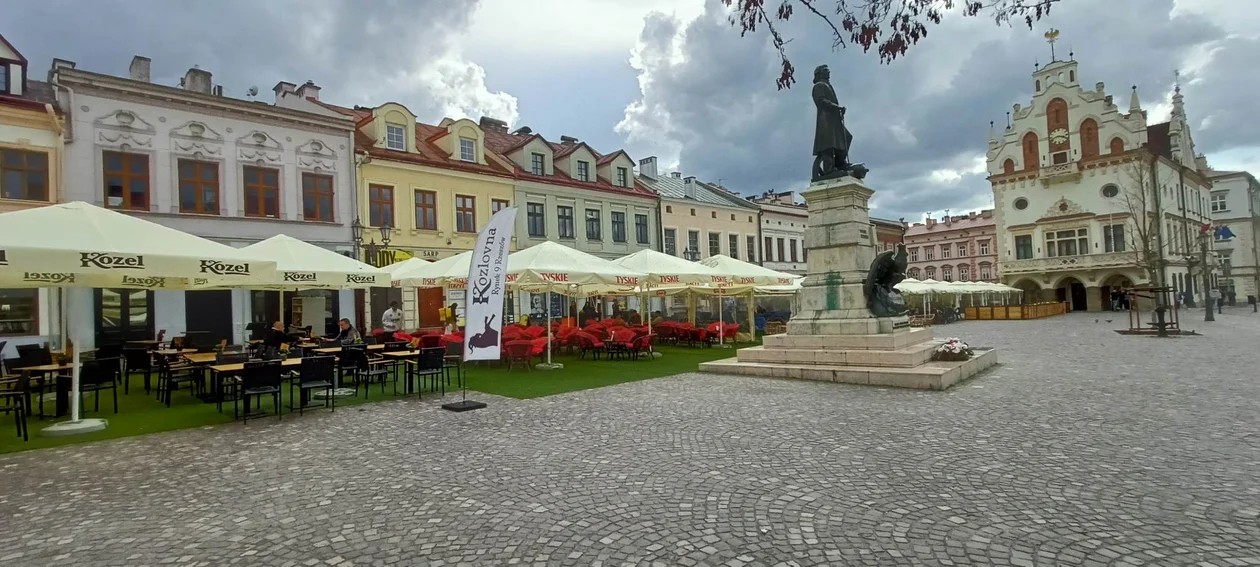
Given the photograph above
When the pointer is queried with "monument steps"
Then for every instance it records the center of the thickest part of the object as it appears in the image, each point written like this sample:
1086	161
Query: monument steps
899	358
936	375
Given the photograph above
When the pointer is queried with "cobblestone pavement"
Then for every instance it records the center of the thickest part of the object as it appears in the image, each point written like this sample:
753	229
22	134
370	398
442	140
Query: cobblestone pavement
1083	448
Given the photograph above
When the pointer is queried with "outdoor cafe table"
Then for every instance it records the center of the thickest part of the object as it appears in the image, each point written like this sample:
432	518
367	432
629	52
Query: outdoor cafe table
175	351
401	356
220	371
337	349
63	384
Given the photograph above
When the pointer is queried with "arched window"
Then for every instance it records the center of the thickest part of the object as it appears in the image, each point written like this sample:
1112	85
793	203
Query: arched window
964	273
1030	151
1038	85
1008	166
914	273
1117	146
1089	139
930	272
1072	76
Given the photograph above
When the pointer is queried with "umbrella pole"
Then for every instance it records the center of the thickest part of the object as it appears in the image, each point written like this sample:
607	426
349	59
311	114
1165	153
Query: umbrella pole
549	365
752	314
75	425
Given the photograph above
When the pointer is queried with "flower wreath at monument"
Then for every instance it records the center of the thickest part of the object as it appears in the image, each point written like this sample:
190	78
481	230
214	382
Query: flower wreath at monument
953	350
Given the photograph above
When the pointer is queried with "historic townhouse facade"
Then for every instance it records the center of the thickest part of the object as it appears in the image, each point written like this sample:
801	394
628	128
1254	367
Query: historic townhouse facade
1235	203
432	185
888	233
956	248
699	220
31	150
782	236
1090	198
230	170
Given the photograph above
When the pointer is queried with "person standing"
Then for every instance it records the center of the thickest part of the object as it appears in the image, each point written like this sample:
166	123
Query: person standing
391	318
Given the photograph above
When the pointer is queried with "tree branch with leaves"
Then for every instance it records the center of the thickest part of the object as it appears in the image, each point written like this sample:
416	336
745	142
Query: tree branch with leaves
891	27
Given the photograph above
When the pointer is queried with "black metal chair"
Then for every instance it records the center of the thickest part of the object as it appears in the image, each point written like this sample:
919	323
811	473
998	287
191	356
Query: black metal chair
431	364
258	379
230	358
171	375
362	370
98	375
318	373
16	399
138	359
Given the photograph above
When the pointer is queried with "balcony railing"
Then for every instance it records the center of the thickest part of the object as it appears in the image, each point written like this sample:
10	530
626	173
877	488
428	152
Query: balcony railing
1060	173
1060	263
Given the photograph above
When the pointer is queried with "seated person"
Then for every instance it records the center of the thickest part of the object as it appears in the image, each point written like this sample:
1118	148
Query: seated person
346	334
657	318
276	336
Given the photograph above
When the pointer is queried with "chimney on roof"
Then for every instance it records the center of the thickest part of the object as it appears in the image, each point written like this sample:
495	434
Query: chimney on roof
523	131
308	90
493	125
567	140
971	215
197	80
987	213
689	186
675	175
283	88
930	222
647	167
62	64
139	70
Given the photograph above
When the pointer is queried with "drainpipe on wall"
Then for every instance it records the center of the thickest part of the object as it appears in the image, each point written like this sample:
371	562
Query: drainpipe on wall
761	257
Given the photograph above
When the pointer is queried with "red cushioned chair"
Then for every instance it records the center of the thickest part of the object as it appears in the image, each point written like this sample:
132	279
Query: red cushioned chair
540	347
587	342
534	331
642	345
518	352
621	342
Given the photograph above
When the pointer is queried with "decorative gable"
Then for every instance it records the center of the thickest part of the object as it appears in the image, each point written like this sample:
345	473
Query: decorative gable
125	130
389	121
577	160
524	155
316	155
618	169
464	141
258	147
197	140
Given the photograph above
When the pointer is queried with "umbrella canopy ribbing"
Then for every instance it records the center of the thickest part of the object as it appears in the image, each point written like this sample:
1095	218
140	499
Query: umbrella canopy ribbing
555	267
449	272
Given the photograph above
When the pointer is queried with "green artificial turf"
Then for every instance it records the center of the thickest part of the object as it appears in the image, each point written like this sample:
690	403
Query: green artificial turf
140	413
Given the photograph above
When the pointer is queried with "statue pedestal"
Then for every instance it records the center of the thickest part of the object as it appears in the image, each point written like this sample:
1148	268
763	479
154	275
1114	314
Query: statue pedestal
834	337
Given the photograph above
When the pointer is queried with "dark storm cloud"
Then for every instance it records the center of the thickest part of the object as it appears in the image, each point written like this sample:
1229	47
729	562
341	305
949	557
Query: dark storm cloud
359	51
709	94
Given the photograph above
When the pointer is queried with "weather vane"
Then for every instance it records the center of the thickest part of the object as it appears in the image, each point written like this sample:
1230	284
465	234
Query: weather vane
1051	37
1177	80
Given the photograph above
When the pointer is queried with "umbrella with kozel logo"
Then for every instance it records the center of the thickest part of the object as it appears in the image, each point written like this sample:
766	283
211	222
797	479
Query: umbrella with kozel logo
91	247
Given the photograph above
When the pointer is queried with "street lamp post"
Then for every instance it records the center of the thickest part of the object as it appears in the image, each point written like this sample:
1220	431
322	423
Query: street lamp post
356	234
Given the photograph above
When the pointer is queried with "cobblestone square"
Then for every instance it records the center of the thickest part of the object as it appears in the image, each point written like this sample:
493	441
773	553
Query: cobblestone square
1084	447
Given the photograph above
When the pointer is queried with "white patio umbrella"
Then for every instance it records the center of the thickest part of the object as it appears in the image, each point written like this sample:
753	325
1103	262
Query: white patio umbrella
301	265
740	273
90	247
555	267
442	273
664	271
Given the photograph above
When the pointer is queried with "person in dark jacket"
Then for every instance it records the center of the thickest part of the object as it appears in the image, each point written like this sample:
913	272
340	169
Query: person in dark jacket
346	334
276	336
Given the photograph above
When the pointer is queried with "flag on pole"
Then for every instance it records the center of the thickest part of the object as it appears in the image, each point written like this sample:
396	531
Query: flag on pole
487	282
1223	233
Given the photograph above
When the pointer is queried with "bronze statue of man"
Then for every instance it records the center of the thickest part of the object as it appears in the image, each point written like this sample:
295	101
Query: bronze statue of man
831	138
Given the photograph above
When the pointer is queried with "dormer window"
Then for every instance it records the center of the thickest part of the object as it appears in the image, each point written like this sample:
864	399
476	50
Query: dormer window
538	163
584	171
467	149
4	78
622	176
396	137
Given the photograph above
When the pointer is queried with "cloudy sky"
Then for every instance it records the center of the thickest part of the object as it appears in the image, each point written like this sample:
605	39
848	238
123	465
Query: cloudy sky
671	78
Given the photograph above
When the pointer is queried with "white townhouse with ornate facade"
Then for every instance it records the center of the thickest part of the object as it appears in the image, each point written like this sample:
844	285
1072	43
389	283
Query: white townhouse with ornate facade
782	231
230	170
1072	184
1235	204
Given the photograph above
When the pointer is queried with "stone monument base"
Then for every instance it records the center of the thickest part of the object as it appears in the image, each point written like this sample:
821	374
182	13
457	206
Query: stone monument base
901	359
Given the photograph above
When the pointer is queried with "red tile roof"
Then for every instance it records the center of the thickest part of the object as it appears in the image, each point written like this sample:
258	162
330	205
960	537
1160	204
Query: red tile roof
610	157
958	222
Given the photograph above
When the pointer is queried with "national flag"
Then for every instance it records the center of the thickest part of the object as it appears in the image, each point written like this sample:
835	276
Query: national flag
1223	233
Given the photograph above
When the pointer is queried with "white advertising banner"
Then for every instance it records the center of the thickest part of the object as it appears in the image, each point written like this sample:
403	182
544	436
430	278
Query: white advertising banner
487	282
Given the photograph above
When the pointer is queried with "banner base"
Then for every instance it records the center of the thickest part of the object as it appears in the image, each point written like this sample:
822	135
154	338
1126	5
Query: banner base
463	405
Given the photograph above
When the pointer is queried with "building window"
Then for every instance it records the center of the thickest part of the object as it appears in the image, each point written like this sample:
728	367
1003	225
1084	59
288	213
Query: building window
929	272
1023	247
467	149
732	217
538	163
929	252
779	250
396	137
984	247
693	212
792	247
964	273
671	242
752	248
593	224
1021	204
914	273
768	252
198	187
426	210
1224	256
618	226
1113	238
913	254
380	205
262	192
23	175
1218	202
126	181
962	250
623	177
750	219
4	78
693	241
713	214
1110	191
535	219
497	205
985	272
944	251
317	197
715	244
733	242
1067	242
564	221
19	312
465	213
583	171
641	229
947	273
